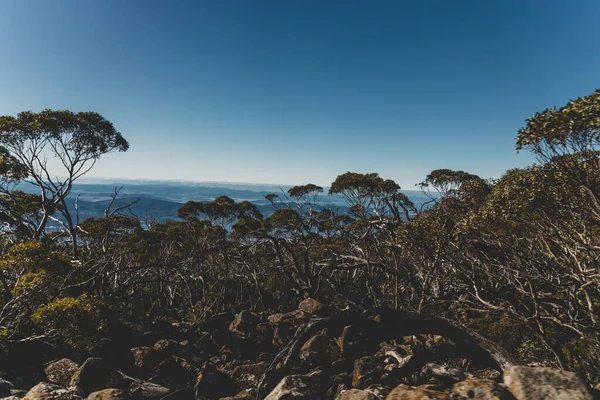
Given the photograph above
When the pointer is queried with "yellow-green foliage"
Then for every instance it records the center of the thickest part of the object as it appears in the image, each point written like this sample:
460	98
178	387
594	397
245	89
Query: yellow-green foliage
582	355
512	335
76	319
4	333
32	256
28	281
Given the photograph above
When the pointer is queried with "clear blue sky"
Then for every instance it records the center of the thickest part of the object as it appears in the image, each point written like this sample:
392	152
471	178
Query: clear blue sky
288	91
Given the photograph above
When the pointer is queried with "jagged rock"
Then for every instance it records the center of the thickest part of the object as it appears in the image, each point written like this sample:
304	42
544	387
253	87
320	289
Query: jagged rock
481	389
366	371
146	357
5	387
93	375
379	391
247	376
404	392
313	307
285	317
149	390
442	373
528	383
319	350
356	394
294	387
243	323
60	372
48	391
143	389
11	398
109	394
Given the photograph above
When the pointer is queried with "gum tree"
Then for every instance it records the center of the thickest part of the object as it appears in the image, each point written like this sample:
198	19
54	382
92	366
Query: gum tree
74	141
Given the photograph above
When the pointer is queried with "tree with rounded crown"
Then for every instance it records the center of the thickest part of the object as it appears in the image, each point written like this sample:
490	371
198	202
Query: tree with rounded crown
75	141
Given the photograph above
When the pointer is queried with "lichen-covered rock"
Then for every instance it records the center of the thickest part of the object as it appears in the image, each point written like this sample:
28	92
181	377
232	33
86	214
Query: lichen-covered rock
150	390
294	387
481	389
109	394
247	376
285	317
356	394
528	383
404	392
48	391
313	307
60	372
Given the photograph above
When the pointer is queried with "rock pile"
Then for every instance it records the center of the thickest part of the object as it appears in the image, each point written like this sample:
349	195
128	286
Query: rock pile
309	353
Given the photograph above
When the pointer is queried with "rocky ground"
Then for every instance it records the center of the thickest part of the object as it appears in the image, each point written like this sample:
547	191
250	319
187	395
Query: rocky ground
309	353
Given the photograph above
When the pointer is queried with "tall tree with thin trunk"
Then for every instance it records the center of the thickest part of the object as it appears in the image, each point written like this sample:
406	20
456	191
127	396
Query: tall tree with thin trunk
75	140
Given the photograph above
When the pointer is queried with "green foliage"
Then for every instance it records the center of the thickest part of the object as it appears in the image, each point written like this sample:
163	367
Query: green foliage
77	320
512	335
88	132
583	355
10	168
285	219
223	211
28	281
33	256
573	128
304	190
447	182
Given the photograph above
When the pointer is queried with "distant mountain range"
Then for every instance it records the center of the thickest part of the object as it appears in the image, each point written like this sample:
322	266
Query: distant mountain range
160	200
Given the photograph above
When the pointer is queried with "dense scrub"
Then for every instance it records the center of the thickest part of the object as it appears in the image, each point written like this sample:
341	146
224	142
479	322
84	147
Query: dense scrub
515	259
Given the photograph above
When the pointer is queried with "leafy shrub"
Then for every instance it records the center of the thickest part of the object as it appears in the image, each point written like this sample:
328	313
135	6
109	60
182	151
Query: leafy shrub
28	281
77	320
513	336
32	256
583	356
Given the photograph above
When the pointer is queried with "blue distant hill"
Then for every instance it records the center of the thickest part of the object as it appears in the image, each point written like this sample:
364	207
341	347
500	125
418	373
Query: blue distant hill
161	200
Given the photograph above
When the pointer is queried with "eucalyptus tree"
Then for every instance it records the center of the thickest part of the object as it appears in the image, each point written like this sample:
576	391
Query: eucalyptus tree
74	141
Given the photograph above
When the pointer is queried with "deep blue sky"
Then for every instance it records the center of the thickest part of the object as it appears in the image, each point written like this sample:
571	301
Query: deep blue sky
290	91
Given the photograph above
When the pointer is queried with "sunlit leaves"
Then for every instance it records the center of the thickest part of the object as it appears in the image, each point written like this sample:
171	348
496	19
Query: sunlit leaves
570	129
